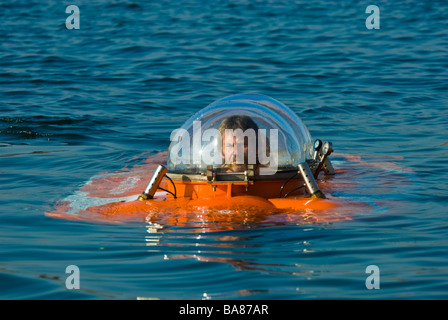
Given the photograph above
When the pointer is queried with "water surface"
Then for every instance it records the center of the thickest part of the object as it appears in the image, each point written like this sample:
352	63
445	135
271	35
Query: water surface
74	103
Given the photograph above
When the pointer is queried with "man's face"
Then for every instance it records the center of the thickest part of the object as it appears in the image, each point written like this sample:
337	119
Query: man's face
235	153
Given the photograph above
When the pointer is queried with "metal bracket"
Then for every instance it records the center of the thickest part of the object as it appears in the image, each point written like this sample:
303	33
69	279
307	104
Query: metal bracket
154	183
249	174
231	177
211	174
310	181
317	146
324	161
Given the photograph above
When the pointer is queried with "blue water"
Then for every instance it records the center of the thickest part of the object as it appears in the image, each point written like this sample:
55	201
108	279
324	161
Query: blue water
74	103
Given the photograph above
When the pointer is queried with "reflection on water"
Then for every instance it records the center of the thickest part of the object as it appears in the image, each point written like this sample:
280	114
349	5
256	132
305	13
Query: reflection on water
206	245
239	244
242	239
96	98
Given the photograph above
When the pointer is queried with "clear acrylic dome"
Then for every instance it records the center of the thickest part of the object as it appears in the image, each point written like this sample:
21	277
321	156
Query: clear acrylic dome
275	139
289	116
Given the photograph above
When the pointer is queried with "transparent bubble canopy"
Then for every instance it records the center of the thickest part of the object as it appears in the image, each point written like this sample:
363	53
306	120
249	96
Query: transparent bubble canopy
275	137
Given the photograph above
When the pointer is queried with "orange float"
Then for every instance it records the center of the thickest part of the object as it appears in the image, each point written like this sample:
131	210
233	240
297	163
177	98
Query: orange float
244	157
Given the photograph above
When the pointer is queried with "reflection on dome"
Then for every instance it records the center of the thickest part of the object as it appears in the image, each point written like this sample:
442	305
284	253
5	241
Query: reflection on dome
237	131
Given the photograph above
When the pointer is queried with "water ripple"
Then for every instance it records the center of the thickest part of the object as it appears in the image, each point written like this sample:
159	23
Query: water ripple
74	103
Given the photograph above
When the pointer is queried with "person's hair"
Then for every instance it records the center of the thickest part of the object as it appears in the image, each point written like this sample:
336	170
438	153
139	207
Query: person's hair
237	122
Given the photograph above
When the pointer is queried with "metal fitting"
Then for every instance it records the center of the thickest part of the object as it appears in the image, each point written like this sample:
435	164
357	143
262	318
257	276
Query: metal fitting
324	162
310	182
154	183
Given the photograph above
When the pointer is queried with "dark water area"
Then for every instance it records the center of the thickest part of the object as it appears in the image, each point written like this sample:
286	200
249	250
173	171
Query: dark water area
74	103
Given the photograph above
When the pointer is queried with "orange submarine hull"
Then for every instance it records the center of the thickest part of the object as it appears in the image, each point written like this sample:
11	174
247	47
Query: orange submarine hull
114	196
